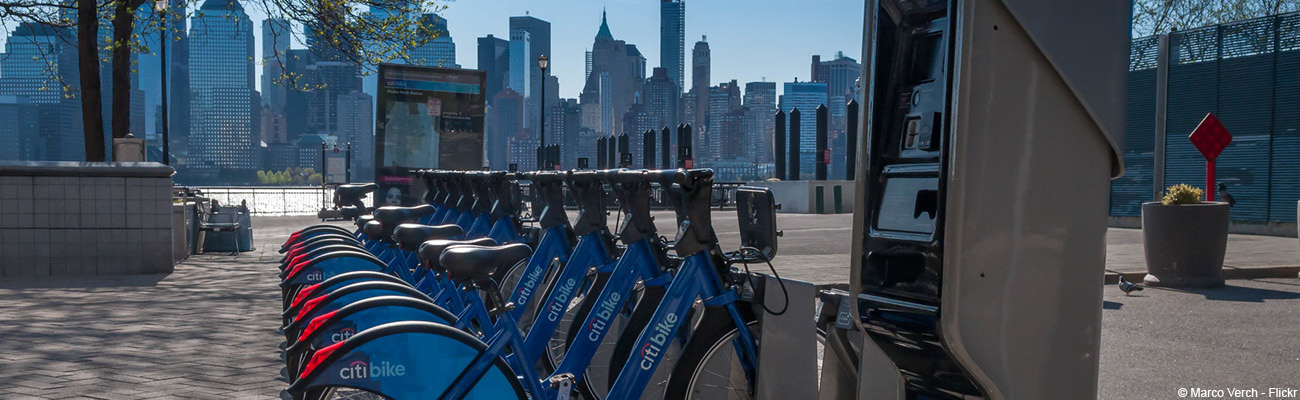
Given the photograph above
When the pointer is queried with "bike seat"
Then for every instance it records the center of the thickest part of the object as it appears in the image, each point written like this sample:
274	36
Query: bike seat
410	236
477	263
364	219
432	249
392	216
374	230
355	190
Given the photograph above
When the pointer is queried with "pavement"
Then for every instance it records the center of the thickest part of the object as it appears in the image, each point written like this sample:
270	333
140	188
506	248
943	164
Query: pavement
208	329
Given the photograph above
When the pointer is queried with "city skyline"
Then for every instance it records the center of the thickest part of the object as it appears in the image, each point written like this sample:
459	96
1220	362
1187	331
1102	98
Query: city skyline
740	52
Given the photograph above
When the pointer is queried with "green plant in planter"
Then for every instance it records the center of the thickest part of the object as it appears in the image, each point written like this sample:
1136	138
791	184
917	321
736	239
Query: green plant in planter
1183	194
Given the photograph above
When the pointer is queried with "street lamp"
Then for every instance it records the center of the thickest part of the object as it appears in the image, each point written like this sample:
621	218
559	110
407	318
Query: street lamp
161	7
543	62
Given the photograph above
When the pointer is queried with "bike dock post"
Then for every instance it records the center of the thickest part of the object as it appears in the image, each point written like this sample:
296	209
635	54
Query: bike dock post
788	357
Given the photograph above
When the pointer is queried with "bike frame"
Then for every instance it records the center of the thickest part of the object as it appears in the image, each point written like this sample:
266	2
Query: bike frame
590	252
638	263
554	245
698	278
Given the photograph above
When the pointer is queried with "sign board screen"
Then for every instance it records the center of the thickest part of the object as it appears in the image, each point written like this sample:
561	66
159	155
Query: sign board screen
426	118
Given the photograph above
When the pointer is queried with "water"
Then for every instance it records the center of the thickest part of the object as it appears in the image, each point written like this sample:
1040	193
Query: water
265	200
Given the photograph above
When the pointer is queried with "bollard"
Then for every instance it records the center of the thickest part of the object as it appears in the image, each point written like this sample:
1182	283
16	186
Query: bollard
665	139
793	165
600	153
648	149
779	152
823	155
611	151
624	151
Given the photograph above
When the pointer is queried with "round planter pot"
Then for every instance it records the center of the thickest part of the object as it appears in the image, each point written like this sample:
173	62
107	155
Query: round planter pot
1184	244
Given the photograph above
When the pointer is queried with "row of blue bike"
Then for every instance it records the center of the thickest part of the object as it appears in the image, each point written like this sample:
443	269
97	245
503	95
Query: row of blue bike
485	293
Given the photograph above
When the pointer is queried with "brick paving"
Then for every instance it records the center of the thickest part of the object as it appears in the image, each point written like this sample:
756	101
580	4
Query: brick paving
208	330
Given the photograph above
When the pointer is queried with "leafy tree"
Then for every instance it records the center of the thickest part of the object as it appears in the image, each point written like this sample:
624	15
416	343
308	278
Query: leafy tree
344	29
1153	17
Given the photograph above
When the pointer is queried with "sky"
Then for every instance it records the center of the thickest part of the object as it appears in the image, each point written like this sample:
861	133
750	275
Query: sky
750	40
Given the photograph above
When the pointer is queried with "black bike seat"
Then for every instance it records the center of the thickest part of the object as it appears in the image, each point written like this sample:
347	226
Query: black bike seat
432	249
477	263
355	190
373	229
392	216
364	219
410	236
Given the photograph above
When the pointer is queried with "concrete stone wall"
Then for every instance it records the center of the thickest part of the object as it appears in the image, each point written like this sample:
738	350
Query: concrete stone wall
800	197
63	219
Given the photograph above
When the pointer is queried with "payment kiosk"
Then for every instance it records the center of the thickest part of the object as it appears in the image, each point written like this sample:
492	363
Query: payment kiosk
990	136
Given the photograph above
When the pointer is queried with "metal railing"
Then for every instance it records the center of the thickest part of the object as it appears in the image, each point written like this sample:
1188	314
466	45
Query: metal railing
724	196
272	200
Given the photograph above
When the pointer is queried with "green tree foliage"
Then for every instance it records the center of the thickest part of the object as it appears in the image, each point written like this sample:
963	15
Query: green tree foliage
290	177
341	30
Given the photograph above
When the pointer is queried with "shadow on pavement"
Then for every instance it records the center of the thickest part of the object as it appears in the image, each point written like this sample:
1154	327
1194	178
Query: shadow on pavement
82	282
1239	293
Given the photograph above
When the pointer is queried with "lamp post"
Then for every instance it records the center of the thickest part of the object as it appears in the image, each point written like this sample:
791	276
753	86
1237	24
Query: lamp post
543	62
161	7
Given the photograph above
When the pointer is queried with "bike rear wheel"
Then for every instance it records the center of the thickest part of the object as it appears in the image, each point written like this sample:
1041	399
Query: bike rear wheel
711	369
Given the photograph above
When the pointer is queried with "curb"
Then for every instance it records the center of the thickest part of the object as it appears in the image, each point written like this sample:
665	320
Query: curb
1112	277
1229	272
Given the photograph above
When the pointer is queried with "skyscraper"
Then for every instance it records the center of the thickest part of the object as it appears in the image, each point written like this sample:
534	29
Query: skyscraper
607	103
539	43
700	66
330	79
355	129
520	46
20	138
672	39
221	79
711	144
760	119
617	74
494	59
506	122
661	98
38	61
565	123
840	75
276	36
439	52
539	34
805	96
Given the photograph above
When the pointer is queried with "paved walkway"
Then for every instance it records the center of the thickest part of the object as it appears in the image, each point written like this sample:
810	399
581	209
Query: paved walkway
208	329
815	248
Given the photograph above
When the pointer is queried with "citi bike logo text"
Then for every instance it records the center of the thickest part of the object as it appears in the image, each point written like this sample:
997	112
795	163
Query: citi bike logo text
315	276
363	370
342	335
659	336
530	282
556	308
604	312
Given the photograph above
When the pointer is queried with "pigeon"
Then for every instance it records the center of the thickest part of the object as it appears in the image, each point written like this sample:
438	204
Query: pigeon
1227	197
1128	287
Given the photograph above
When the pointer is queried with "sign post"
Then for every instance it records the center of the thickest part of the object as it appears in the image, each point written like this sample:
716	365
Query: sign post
1210	137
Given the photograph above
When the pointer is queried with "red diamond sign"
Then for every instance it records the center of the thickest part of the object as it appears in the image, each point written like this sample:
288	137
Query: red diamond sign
1210	137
